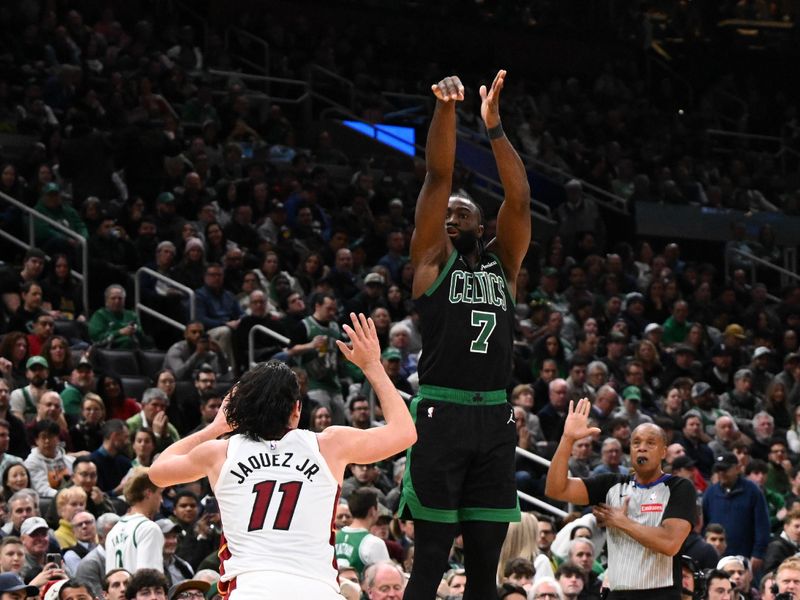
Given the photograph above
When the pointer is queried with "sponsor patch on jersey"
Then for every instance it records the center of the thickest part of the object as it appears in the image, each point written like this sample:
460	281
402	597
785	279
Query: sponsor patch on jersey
489	265
651	508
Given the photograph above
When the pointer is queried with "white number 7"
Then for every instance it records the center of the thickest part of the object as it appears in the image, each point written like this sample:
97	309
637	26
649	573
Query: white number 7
486	321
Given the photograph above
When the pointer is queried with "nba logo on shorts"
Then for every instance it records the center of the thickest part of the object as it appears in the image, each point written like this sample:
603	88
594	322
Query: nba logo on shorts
430	412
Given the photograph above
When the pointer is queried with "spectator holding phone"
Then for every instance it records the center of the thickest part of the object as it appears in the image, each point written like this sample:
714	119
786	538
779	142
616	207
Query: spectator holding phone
40	566
186	356
199	535
113	326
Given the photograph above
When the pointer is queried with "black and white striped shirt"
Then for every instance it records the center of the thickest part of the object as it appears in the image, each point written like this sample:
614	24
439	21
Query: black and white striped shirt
632	566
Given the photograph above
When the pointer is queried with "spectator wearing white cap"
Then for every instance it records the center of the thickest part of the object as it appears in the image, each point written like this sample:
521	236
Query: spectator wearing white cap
369	298
35	539
176	569
760	368
738	568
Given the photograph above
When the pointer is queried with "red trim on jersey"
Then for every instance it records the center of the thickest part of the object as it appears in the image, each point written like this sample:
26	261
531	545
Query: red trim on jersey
224	587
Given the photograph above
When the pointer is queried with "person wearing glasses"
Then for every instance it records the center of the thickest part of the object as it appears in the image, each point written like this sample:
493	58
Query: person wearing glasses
146	584
648	514
85	529
546	588
191	589
277	485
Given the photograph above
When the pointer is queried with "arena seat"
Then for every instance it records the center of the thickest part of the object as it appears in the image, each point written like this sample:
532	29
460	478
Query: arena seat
119	362
151	362
135	385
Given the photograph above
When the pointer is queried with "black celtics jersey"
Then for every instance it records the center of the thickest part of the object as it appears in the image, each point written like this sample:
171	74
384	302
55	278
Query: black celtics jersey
467	327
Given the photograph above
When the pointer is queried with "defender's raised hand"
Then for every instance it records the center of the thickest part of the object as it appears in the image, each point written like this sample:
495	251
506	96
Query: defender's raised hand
490	100
449	88
364	348
577	424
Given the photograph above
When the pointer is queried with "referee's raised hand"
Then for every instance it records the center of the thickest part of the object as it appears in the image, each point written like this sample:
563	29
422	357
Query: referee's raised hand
577	424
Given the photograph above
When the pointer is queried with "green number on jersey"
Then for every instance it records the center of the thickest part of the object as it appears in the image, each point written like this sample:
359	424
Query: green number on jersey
486	321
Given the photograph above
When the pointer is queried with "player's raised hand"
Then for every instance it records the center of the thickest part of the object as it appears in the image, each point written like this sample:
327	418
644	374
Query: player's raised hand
449	88
577	424
364	348
490	100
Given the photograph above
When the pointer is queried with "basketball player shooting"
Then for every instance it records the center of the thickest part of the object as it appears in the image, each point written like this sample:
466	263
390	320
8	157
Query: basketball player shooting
277	486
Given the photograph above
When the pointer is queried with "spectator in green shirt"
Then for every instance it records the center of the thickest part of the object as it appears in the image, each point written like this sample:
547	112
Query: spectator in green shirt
49	238
113	326
676	327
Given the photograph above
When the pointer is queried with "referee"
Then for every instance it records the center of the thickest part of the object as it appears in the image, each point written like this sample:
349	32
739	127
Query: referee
648	513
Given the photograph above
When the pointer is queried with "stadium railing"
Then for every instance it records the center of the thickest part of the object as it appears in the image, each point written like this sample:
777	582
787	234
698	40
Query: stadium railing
790	261
142	308
32	215
251	341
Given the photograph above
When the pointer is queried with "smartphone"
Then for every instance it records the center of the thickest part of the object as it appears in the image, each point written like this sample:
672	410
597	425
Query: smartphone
53	557
210	505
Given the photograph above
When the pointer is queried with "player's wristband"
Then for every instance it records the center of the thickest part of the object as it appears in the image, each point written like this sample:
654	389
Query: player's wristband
495	132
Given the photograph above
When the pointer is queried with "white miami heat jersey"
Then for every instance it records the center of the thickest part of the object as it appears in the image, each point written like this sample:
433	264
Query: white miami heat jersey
277	500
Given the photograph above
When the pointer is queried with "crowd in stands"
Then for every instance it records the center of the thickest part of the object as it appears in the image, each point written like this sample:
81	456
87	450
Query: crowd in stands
139	155
629	127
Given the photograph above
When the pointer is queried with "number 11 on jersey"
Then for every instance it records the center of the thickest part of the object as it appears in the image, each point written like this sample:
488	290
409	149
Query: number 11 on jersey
290	492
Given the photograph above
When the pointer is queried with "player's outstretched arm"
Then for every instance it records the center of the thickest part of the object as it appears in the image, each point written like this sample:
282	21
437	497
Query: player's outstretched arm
514	218
429	244
194	457
560	486
344	445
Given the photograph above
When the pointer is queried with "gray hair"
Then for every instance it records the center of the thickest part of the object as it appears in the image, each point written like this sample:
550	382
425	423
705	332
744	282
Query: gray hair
166	244
371	572
105	523
151	394
399	326
763	416
112	287
732	420
580	540
25	494
597	364
610	441
545	580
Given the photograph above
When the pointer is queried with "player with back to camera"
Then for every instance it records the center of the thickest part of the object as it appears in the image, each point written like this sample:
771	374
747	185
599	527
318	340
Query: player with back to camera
460	474
277	485
648	514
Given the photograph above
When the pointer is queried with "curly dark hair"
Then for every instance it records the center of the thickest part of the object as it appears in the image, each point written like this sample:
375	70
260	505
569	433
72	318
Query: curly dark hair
262	401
